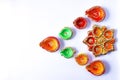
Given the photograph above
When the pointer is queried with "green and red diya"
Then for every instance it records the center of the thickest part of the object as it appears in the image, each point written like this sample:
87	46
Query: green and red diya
68	52
66	33
50	44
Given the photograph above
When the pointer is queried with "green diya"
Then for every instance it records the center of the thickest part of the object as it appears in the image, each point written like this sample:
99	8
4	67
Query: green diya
68	52
66	33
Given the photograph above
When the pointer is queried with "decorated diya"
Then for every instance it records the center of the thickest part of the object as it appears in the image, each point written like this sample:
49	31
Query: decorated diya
96	13
82	59
96	68
66	33
50	44
80	23
100	40
68	52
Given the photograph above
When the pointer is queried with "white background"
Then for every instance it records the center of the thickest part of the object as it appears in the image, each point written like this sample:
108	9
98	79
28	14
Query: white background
24	23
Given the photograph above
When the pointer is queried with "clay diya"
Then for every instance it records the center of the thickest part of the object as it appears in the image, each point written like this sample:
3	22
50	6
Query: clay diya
97	31
80	23
108	34
100	40
50	44
96	68
96	13
97	50
66	33
82	59
68	52
108	46
90	40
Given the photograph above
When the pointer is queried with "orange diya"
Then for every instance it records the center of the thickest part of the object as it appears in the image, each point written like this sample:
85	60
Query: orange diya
50	44
82	59
96	13
96	68
100	40
108	34
97	50
97	31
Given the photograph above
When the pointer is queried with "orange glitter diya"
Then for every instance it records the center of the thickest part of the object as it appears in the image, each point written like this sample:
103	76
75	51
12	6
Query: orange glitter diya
100	40
96	68
82	59
96	13
50	44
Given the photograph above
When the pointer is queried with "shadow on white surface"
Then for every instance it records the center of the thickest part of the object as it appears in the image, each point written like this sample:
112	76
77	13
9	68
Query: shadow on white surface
107	67
23	22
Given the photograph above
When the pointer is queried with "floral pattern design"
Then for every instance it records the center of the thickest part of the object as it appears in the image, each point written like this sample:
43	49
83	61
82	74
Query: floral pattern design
100	40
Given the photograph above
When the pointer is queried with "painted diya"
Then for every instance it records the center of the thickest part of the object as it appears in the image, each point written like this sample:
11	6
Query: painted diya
66	33
82	59
96	68
80	23
67	52
96	13
50	44
100	40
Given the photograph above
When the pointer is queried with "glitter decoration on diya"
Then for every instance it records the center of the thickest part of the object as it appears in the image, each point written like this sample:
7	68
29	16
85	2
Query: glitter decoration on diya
96	13
82	59
50	44
96	67
100	40
66	33
80	23
67	52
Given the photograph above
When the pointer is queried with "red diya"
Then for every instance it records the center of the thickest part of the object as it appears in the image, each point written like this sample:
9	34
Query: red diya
96	13
80	22
50	44
100	40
